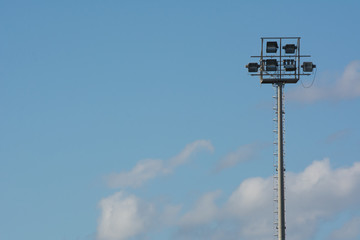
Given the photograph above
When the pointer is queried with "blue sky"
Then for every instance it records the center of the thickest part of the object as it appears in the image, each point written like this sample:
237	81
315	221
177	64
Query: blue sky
138	120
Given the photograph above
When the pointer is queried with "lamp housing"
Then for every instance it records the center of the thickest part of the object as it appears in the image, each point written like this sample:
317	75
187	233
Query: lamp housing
271	47
271	65
289	65
253	67
308	66
290	48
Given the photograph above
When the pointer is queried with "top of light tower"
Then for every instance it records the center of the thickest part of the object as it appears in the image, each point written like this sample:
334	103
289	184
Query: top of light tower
279	61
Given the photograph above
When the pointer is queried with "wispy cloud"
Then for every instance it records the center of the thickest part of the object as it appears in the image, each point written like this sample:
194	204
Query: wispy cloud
187	152
346	87
242	154
148	169
337	135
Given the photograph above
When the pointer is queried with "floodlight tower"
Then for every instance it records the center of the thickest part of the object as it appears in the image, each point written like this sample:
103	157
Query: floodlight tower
278	70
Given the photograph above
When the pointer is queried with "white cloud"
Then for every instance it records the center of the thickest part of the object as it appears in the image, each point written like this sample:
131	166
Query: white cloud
252	194
123	216
242	154
349	231
205	210
312	196
147	169
251	205
346	87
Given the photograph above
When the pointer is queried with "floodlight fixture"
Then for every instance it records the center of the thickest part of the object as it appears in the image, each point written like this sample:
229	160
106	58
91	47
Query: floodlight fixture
289	65
271	47
290	48
271	65
253	67
308	66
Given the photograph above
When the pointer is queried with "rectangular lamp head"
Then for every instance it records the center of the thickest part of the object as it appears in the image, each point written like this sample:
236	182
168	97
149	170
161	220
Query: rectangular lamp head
290	48
289	65
308	66
271	47
271	65
253	67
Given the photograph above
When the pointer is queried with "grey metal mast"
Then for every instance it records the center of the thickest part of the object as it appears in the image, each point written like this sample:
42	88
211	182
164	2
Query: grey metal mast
280	166
280	70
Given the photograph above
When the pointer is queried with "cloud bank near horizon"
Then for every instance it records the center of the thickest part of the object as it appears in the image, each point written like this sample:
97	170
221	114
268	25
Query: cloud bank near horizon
246	213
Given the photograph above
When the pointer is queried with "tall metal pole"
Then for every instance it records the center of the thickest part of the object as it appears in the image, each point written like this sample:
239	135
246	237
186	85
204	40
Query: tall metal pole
280	170
287	72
